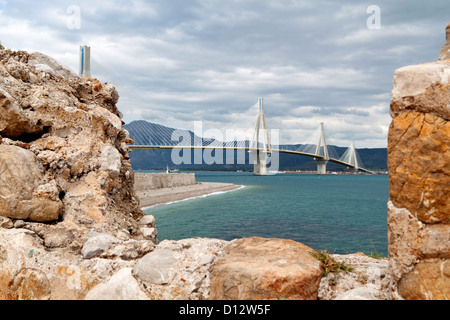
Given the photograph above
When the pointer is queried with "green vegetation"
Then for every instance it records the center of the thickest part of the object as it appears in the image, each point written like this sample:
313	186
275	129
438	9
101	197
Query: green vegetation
328	263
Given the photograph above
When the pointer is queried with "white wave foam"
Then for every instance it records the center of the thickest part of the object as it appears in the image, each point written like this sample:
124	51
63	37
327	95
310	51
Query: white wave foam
192	198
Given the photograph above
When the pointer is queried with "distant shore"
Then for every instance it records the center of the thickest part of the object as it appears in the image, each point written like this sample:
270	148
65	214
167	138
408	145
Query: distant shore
172	194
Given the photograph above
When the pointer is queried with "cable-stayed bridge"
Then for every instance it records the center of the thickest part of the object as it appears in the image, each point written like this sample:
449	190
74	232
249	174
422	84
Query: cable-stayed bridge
262	143
260	146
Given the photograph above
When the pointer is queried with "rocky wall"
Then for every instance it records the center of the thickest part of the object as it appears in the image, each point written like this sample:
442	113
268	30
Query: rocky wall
419	180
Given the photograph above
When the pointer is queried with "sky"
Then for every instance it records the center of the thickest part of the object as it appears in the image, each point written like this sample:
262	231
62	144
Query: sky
179	61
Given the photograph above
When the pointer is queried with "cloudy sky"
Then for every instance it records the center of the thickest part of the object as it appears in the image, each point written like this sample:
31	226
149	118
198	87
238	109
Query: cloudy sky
179	61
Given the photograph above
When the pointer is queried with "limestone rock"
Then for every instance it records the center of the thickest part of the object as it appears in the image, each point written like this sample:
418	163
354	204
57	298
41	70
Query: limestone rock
185	274
58	68
419	170
30	284
422	88
148	219
150	234
369	279
23	192
361	293
428	280
73	128
96	244
157	267
445	50
403	240
259	268
121	286
127	250
419	180
58	274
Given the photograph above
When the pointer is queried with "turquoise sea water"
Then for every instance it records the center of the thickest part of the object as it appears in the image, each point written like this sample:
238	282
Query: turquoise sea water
340	213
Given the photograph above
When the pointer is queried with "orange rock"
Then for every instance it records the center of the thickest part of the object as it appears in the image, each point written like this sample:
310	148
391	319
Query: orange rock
265	268
418	161
429	280
98	87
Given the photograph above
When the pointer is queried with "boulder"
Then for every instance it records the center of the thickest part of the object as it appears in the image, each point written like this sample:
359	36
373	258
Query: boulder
96	244
121	286
44	61
23	192
265	268
157	267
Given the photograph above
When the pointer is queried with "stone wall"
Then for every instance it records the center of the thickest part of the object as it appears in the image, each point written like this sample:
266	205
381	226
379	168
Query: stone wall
150	181
66	182
419	180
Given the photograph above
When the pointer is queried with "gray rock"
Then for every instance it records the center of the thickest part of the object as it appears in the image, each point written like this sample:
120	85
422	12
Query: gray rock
206	259
57	67
44	68
121	286
97	244
110	160
19	224
6	223
149	233
147	220
157	267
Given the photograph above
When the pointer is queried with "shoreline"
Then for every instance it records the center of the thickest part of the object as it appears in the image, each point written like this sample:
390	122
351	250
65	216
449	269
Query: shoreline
154	197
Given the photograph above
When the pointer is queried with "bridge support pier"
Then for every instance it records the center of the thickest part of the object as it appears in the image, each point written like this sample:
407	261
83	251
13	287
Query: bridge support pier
259	162
321	166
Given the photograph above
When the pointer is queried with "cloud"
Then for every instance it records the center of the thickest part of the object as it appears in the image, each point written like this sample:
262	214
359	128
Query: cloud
179	62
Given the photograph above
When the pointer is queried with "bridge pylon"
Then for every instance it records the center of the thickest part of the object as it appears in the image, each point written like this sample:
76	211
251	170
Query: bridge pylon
351	156
85	62
260	151
322	162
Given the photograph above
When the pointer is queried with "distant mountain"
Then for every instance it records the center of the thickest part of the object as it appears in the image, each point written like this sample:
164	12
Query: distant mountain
147	133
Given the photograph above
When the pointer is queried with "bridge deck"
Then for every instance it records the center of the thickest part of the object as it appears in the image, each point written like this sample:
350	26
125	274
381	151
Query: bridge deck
251	149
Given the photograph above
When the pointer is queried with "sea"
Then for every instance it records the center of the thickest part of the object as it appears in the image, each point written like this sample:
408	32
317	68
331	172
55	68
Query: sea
340	213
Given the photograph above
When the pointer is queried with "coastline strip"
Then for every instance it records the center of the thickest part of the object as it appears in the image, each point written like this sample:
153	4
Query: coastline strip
160	196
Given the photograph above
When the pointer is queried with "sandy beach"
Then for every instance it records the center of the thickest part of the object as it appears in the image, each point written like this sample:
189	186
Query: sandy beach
153	197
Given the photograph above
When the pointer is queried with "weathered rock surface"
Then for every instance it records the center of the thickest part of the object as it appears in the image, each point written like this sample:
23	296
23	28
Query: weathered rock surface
29	270
63	152
259	268
121	286
419	158
369	279
419	179
445	50
68	211
24	194
179	269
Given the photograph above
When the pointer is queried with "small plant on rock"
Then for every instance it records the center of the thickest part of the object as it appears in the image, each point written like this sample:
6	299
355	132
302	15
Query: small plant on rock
328	263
